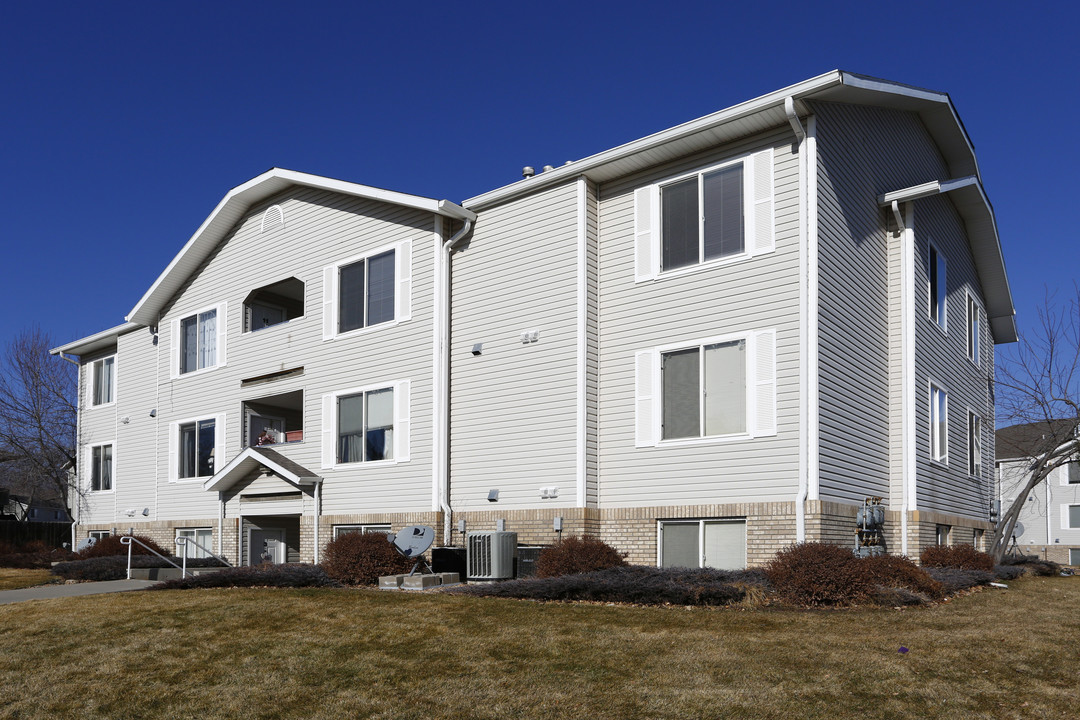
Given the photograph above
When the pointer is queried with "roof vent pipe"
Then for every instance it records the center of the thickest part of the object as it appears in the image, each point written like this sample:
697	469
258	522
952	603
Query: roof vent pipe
527	171
548	167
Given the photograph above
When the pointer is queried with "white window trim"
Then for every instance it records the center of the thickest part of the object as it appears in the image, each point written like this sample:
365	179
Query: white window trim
980	313
93	380
402	290
1065	516
651	195
943	461
195	536
90	465
751	339
402	425
98	534
971	413
174	447
943	326
178	346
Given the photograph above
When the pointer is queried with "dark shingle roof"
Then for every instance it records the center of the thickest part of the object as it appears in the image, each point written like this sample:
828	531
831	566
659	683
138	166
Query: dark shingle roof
1031	439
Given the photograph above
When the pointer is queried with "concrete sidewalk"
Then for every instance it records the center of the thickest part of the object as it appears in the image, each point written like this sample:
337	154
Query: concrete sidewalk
46	592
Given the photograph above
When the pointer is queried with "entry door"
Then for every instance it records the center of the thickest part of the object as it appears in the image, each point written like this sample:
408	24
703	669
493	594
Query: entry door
267	546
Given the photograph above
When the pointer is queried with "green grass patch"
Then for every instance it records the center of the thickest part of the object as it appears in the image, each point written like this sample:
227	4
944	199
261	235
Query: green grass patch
327	653
16	579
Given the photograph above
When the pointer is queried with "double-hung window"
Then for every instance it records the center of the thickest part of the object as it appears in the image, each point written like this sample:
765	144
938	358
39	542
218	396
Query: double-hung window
719	213
936	286
195	447
104	381
367	291
939	424
366	425
714	389
973	327
704	391
200	340
101	468
974	444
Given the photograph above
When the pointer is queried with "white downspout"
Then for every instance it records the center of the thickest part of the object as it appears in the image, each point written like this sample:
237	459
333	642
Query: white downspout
318	512
444	389
221	524
904	222
800	497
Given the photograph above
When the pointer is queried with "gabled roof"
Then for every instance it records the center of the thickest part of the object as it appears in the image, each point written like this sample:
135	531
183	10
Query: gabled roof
1030	440
935	109
254	458
95	342
237	202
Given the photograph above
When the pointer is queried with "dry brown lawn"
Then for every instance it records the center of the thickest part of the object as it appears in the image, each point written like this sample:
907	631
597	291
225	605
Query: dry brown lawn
365	654
12	579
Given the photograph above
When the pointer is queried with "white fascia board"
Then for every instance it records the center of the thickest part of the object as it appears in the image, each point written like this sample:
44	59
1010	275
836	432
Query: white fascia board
95	342
934	187
237	201
244	463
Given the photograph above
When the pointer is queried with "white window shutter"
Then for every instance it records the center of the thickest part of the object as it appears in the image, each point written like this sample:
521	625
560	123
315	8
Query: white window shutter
222	332
764	387
329	306
88	384
404	281
221	454
646	399
646	232
327	428
762	239
175	348
174	452
401	421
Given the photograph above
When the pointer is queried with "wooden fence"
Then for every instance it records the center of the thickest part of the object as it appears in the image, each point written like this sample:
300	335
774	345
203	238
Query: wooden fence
53	534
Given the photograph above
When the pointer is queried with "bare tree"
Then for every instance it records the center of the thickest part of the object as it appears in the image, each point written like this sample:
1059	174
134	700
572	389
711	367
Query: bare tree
1038	385
38	411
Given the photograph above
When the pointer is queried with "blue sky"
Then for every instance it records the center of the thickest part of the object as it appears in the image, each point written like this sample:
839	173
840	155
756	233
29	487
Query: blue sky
123	124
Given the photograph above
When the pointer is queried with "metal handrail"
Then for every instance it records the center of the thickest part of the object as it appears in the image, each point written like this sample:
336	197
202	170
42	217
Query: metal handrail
128	539
185	541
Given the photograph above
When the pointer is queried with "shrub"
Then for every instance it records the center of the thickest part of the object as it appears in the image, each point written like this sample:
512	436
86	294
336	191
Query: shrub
897	571
35	555
897	597
965	557
578	555
954	579
818	574
1044	568
628	583
114	567
362	558
282	576
111	545
1008	572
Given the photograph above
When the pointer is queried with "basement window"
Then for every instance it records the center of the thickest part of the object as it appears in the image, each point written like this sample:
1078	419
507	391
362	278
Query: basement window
274	304
274	420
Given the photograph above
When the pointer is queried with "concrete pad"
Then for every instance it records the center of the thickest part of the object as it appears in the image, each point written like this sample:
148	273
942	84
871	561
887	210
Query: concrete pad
390	582
421	582
48	592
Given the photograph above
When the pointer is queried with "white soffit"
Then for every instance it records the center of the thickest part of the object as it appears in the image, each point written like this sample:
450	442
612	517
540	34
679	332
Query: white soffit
254	458
970	201
97	341
237	202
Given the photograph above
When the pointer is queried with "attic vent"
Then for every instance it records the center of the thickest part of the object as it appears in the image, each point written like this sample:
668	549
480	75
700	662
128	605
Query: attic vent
273	218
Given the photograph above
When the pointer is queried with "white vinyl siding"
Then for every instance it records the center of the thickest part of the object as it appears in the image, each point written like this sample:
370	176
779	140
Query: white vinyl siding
368	425
367	291
714	215
707	390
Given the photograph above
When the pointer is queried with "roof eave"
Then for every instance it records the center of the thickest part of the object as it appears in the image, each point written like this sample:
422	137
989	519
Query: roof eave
246	461
237	202
95	342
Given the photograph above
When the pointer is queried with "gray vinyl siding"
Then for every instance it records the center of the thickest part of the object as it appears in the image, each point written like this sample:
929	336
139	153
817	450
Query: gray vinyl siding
592	345
942	358
97	425
321	228
761	293
513	409
863	152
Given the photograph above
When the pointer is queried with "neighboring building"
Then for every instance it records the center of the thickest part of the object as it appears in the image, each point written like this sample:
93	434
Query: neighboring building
1049	524
26	508
701	346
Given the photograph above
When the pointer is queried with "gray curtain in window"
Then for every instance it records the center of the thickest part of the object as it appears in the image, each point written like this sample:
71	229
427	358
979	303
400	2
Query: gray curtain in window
679	224
725	388
723	197
381	281
351	296
351	428
682	394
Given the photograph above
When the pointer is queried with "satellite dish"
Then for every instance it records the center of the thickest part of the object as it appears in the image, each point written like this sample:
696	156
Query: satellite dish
1018	529
85	543
413	542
